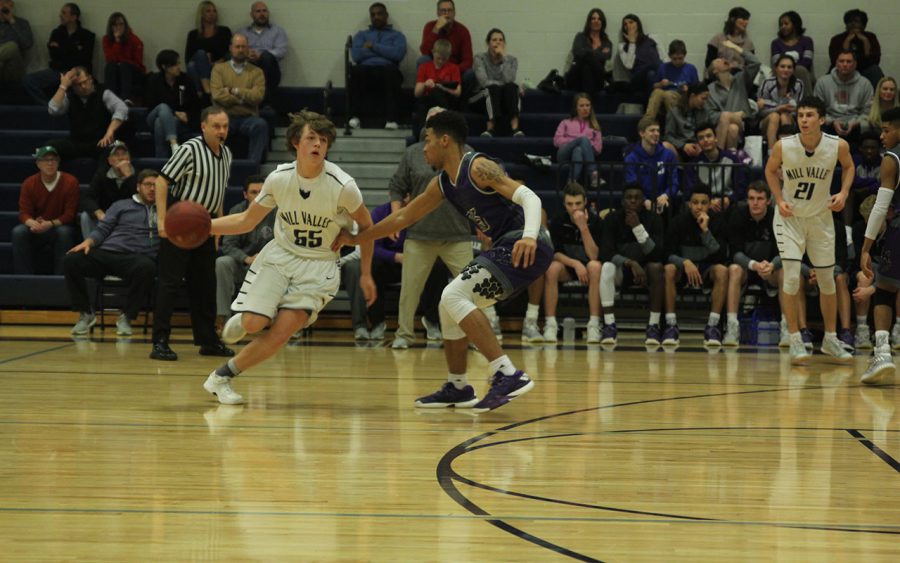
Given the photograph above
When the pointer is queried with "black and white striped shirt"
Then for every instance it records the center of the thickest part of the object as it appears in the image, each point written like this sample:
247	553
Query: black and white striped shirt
198	174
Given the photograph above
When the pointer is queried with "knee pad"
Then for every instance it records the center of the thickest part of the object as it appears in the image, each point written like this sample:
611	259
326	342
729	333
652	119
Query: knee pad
450	329
884	297
825	279
608	284
470	290
792	277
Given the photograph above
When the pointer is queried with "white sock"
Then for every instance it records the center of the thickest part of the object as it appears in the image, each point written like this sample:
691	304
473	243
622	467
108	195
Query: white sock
714	319
504	365
830	335
896	320
532	313
550	321
670	319
861	320
795	337
882	339
594	320
654	318
732	319
609	318
458	380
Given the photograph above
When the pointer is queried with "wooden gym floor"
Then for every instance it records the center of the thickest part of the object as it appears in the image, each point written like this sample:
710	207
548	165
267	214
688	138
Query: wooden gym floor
622	455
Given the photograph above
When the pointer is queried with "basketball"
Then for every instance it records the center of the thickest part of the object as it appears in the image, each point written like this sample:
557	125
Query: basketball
187	224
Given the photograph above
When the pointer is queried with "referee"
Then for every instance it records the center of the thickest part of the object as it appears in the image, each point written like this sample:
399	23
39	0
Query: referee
198	171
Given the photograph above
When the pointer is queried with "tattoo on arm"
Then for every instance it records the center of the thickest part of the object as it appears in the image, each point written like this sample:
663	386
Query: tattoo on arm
489	171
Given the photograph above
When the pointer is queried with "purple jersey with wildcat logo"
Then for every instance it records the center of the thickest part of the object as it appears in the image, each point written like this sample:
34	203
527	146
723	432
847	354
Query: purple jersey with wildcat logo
501	220
492	213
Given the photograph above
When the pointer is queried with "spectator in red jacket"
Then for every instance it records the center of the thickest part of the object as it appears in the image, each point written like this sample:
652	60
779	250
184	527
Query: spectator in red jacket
446	27
48	201
124	53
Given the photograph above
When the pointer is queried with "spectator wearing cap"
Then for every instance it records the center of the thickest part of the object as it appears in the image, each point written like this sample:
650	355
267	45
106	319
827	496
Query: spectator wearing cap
124	244
114	180
95	114
47	204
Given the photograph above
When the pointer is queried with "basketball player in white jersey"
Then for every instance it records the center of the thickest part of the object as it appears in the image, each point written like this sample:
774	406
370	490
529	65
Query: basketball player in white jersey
804	222
296	274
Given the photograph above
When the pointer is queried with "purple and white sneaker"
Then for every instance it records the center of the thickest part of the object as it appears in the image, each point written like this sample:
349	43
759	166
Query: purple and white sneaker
712	336
846	338
610	334
670	336
653	335
503	389
806	335
448	396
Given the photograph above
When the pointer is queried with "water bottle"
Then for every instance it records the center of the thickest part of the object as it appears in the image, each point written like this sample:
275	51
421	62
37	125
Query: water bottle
568	329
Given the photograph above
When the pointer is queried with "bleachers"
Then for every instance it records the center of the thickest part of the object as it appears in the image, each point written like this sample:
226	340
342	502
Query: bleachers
23	128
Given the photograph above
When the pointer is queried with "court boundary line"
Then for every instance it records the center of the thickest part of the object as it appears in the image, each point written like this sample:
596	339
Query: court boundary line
447	476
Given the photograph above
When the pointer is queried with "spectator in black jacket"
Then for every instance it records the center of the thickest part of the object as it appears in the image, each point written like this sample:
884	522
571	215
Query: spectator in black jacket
175	108
70	45
113	181
754	253
631	250
206	45
95	114
697	253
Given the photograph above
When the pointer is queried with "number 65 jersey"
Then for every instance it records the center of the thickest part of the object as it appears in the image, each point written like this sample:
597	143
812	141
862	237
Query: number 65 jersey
807	176
311	211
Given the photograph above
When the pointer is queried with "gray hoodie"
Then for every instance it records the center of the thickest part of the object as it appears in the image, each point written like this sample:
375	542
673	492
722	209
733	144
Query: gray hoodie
737	97
848	101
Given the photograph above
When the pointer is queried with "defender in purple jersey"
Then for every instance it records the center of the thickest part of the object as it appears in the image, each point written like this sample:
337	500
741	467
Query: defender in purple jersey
510	214
881	367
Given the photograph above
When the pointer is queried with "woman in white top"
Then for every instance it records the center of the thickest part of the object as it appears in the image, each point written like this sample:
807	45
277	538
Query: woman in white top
777	98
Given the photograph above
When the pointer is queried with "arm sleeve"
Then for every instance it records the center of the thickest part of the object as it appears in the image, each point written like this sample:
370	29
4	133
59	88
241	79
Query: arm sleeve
428	38
220	93
399	184
257	89
72	195
393	48
279	43
357	52
232	245
627	53
179	164
580	46
465	60
607	242
712	53
481	74
89	202
58	109
115	105
25	39
350	197
509	69
190	46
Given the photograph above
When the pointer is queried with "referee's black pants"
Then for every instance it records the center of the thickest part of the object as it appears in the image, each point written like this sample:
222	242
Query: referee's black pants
198	269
